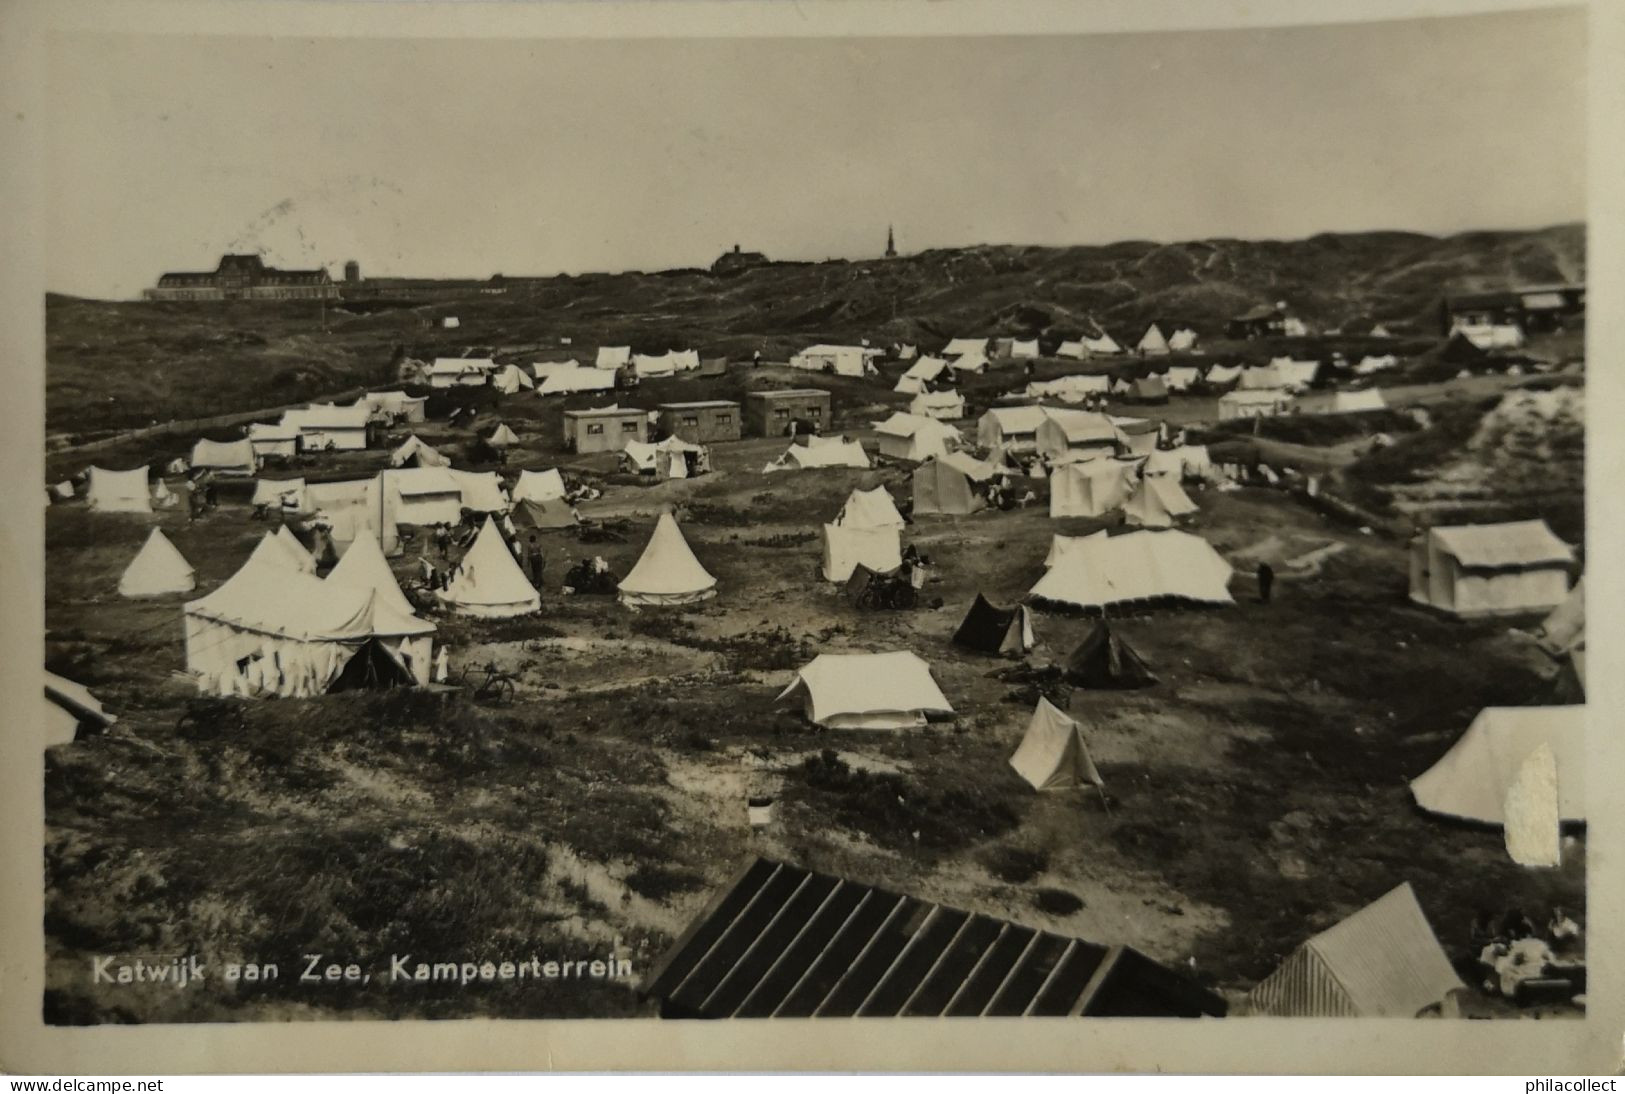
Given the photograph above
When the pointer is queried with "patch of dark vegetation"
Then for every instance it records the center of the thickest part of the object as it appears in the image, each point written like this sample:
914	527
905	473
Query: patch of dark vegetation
899	813
659	882
1313	429
782	539
1015	865
1057	902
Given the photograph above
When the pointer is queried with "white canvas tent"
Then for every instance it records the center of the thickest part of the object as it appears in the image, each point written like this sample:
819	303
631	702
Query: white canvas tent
946	406
924	371
667	572
488	581
1065	430
119	491
360	507
820	452
1090	488
1182	340
1153	342
394	404
1013	428
1498	770
158	569
502	437
273	439
958	347
539	485
1023	351
273	492
1384	961
481	490
866	691
846	548
1157	503
667	459
162	496
613	357
68	707
1069	389
1052	754
1060	547
567	381
270	630
869	509
425	495
840	360
1490	569
227	456
510	379
974	363
1181	377
461	371
1104	344
1356	402
1141	570
666	364
364	567
913	437
415	451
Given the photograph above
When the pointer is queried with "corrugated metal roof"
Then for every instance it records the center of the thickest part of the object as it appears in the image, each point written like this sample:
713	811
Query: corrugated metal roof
1495	546
785	942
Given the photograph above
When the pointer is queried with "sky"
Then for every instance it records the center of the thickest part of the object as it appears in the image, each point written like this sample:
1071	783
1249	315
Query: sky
465	158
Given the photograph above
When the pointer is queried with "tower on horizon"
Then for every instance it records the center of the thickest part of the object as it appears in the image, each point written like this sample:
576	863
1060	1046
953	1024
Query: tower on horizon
891	243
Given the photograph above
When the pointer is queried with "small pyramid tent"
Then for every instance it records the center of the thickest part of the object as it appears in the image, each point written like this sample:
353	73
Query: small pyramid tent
1384	961
502	437
363	566
1052	755
667	572
988	628
539	485
157	569
415	453
488	582
119	491
1104	661
869	509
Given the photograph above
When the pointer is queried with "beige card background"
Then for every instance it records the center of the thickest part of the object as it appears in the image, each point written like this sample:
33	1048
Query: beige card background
1250	1045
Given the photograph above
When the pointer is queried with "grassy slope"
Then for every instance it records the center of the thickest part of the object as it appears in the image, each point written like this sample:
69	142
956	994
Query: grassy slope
123	365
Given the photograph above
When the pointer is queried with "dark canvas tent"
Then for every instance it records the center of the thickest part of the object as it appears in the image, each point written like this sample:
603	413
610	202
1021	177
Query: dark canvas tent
988	628
1103	660
1461	350
372	668
546	515
939	487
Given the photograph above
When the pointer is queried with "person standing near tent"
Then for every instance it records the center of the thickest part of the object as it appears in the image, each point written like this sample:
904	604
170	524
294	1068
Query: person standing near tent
442	666
538	562
1266	581
756	358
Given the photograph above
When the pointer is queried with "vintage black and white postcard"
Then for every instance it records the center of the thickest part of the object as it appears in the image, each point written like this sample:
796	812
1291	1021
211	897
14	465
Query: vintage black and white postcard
1070	522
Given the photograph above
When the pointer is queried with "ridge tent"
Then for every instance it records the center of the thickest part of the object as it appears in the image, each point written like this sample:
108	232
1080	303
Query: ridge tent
273	492
912	437
566	381
510	378
1014	428
355	507
488	582
946	406
425	495
1139	434
1135	572
1188	461
460	371
667	572
372	668
1027	350
539	485
667	364
924	371
396	405
1489	569
1149	389
1072	350
1294	373
228	456
1105	344
906	352
1182	340
974	363
545	515
672	458
1493	775
869	509
1261	378
119	491
840	360
71	711
1253	404
820	452
1052	754
613	357
1181	377
1384	961
157	569
273	631
880	549
1103	661
1219	375
866	691
415	453
1091	488
988	628
329	427
273	439
1157	503
363	567
502	437
1356	402
1369	366
942	486
1072	430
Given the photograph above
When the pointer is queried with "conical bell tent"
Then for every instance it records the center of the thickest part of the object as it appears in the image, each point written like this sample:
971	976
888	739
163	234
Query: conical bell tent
489	582
157	569
667	572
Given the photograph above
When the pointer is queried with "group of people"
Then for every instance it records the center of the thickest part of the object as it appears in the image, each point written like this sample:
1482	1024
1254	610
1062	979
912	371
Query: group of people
529	553
1514	951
